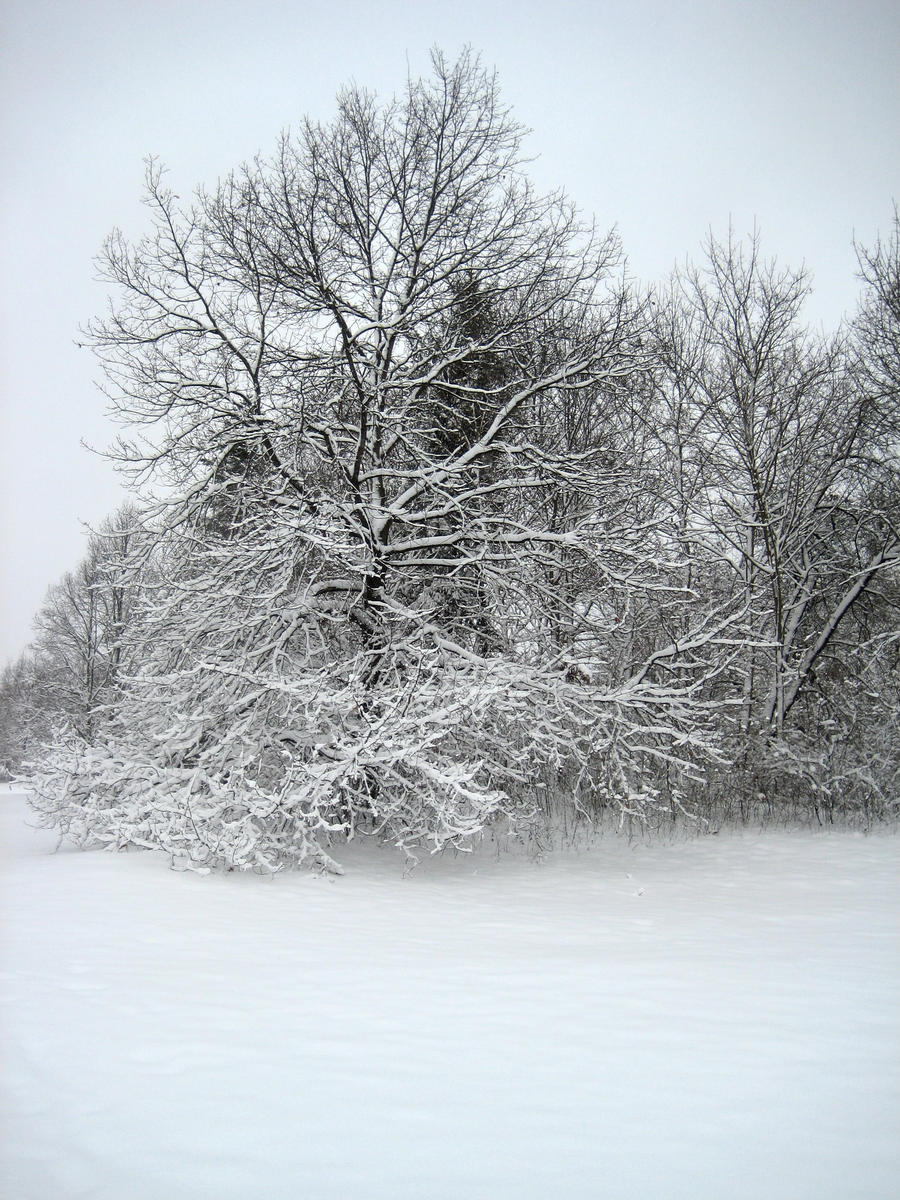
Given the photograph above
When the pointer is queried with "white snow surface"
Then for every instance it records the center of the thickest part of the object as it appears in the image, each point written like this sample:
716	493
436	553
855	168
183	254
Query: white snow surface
716	1017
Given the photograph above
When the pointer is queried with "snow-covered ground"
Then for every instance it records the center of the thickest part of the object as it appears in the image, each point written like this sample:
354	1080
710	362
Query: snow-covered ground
709	1018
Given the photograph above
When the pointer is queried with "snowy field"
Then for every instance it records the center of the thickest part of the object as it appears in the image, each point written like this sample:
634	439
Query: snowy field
710	1018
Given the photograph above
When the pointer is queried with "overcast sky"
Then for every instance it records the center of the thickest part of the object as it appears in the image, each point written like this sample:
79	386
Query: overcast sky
666	118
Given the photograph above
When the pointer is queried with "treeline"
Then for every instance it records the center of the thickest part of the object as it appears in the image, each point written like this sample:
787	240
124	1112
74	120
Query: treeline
442	523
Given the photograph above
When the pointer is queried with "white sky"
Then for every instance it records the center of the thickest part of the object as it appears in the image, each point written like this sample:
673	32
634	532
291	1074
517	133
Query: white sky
664	117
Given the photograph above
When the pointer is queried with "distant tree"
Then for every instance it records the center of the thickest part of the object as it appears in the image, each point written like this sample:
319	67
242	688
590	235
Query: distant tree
21	720
780	445
81	646
80	630
877	324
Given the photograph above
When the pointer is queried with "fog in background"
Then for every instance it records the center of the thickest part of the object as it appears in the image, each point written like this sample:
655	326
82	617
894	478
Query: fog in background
665	118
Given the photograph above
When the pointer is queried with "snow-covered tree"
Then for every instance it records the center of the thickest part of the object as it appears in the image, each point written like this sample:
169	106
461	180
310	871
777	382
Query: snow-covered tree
80	643
782	447
22	723
378	382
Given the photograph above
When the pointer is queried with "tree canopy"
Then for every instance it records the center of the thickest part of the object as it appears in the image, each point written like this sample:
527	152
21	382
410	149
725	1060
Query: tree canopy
446	523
